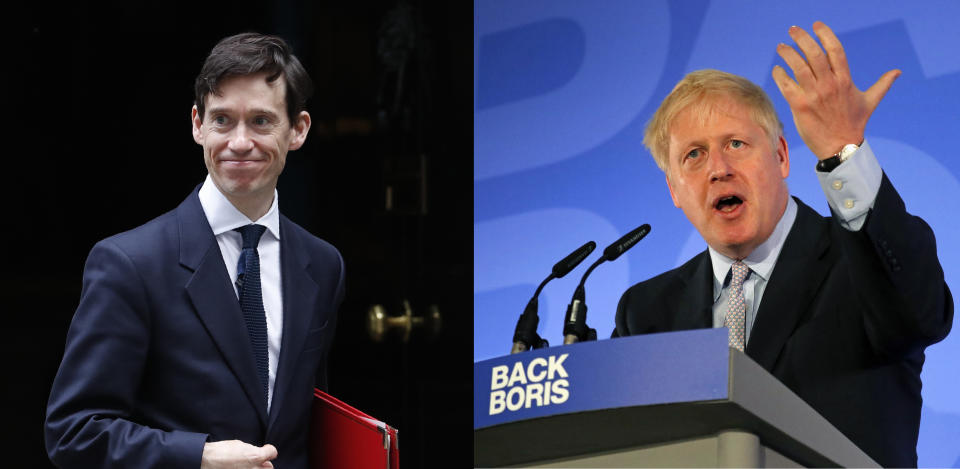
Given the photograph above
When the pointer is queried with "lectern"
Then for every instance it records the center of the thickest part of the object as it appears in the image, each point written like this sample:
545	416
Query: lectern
682	399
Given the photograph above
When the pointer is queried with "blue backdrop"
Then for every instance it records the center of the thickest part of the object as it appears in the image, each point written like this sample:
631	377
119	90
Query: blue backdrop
563	90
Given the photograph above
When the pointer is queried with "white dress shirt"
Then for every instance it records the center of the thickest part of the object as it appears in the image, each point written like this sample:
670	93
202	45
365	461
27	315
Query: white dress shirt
761	263
223	218
851	189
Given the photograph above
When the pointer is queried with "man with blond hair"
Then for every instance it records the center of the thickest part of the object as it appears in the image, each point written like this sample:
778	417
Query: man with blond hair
840	309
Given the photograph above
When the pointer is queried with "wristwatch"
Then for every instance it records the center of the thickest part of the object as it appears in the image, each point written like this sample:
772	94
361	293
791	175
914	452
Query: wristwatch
827	165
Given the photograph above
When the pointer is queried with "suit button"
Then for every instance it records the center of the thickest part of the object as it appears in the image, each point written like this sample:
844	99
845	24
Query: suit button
890	253
837	185
848	203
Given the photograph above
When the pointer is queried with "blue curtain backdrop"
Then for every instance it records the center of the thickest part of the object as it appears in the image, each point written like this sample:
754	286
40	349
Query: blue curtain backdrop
563	90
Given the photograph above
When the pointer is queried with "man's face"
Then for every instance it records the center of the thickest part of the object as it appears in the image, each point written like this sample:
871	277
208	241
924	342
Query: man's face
245	134
726	175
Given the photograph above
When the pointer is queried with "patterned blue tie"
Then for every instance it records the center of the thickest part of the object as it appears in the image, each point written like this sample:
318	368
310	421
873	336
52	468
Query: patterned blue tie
251	300
736	306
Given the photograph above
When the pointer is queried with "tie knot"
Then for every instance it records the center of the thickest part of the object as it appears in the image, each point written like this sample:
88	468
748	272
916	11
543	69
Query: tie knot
738	272
251	235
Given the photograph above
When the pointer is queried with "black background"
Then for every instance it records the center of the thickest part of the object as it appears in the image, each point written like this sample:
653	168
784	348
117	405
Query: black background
98	141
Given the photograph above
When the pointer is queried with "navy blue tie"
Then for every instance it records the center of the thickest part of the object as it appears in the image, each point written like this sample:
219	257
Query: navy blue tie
251	299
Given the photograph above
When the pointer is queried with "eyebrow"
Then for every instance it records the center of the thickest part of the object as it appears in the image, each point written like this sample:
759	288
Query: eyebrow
254	111
699	141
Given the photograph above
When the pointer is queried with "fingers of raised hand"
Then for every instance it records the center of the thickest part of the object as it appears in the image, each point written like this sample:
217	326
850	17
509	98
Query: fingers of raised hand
805	76
816	58
833	48
788	88
880	88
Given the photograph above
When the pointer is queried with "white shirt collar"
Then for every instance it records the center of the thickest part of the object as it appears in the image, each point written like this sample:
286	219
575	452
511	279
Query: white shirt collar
762	260
224	217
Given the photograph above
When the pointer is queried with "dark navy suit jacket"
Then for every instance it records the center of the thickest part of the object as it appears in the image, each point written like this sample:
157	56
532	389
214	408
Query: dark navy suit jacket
843	322
158	360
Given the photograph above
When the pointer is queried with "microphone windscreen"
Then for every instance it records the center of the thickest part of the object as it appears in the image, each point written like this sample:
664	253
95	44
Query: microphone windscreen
621	245
573	259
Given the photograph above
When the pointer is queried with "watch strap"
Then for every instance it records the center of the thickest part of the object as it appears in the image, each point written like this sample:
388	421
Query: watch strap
829	164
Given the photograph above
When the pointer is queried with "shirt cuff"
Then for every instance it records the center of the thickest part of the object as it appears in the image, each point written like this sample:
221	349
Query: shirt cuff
852	187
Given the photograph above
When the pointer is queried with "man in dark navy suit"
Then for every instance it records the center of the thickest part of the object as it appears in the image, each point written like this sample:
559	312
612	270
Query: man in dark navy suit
840	309
200	335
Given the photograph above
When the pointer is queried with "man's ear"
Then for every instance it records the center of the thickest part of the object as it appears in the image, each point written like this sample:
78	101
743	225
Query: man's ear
300	129
196	125
672	195
783	157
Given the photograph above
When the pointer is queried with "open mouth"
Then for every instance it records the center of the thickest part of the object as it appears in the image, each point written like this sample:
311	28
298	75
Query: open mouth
728	204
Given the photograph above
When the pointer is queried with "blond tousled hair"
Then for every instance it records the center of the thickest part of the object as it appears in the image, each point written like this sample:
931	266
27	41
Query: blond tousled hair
700	88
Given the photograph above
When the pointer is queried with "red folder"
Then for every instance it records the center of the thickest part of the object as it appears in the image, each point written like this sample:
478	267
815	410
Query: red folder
342	436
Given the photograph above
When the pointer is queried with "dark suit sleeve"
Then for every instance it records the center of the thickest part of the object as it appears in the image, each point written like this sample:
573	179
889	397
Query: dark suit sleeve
321	377
90	418
897	276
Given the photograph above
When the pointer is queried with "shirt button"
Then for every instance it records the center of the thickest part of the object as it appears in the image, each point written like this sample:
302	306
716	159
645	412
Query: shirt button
848	203
837	185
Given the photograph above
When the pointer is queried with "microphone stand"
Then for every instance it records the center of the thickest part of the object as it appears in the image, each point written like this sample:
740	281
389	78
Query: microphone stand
575	327
525	335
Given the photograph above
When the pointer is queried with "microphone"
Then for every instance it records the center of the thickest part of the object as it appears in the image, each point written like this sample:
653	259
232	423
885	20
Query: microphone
575	327
572	260
525	335
613	251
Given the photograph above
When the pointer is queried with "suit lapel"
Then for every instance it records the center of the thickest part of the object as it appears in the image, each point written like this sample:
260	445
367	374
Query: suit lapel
798	275
299	304
695	297
212	295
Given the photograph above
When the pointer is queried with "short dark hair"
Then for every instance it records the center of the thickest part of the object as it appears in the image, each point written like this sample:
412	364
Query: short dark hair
250	53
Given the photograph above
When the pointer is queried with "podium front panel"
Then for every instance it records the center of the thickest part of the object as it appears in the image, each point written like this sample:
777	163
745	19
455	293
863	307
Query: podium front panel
670	367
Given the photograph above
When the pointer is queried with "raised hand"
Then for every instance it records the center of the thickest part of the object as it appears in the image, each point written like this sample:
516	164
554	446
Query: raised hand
828	109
